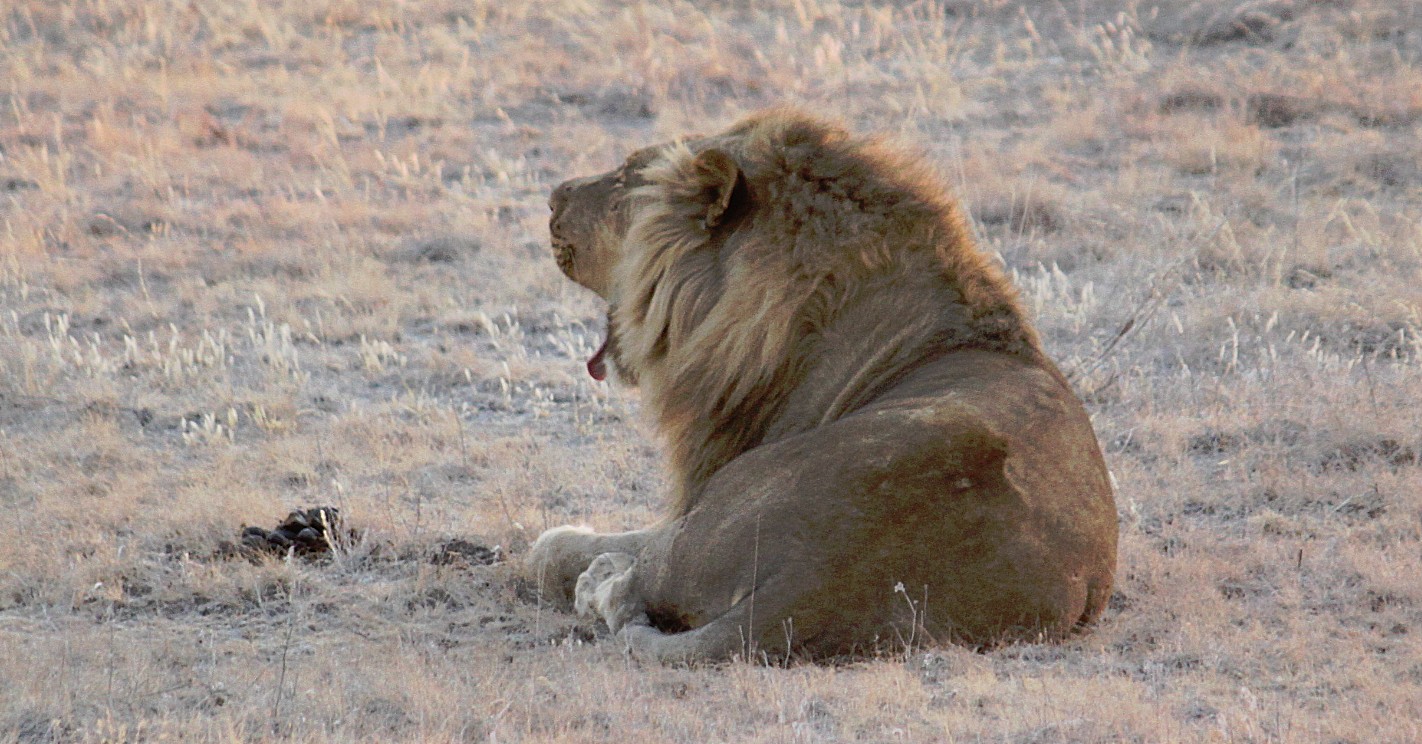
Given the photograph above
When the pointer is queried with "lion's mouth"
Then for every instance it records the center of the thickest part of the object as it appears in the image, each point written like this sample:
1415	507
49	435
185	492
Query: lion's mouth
597	365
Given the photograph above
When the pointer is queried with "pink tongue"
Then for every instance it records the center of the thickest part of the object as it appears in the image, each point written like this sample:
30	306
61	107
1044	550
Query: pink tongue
597	366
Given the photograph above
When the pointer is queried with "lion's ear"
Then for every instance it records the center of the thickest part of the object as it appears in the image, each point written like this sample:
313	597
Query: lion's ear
719	176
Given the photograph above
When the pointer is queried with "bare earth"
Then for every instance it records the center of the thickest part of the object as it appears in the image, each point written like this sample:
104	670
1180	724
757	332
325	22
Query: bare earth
265	255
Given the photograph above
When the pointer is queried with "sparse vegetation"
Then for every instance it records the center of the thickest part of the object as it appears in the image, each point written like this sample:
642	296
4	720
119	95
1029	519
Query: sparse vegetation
260	256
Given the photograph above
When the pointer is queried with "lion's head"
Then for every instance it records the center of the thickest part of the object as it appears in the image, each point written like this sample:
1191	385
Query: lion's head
589	224
770	278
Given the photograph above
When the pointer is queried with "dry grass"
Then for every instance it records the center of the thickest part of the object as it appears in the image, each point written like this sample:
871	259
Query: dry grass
261	255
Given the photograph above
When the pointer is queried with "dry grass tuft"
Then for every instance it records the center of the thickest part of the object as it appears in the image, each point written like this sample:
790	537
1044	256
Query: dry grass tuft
261	256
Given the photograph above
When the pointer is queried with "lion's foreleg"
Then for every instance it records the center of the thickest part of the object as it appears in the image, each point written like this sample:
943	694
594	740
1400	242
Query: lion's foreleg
560	555
606	590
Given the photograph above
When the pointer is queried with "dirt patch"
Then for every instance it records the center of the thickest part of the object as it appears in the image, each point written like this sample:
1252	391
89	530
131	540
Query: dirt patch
1206	24
1353	456
461	552
317	532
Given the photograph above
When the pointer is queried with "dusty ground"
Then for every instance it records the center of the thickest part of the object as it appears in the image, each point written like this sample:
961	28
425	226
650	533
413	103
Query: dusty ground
257	256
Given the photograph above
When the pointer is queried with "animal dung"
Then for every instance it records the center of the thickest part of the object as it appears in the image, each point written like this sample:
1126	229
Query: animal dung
306	533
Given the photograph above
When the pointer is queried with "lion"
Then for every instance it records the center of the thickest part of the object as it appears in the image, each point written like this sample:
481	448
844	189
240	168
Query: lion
869	450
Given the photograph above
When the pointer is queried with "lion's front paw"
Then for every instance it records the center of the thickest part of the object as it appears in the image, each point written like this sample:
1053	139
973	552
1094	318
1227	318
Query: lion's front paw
605	590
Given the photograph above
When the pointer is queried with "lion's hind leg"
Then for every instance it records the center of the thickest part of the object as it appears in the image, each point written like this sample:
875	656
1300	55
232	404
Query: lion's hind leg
727	637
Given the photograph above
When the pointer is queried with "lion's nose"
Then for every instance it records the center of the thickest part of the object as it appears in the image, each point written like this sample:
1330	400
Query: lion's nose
558	200
555	211
559	195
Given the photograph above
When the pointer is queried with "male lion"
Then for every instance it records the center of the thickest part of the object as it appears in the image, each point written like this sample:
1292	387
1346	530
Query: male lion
868	447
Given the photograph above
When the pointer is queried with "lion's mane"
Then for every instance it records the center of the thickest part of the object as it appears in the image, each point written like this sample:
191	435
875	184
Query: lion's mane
724	337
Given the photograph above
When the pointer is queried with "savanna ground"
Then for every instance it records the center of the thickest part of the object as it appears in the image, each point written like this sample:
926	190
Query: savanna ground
264	255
